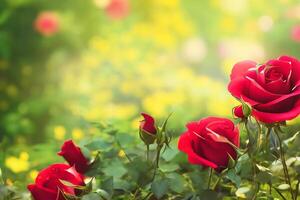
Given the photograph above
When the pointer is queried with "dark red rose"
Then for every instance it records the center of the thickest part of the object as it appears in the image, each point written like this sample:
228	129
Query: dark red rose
48	183
271	89
209	142
74	156
147	129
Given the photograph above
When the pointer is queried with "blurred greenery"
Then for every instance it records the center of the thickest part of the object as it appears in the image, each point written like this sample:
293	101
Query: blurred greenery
107	64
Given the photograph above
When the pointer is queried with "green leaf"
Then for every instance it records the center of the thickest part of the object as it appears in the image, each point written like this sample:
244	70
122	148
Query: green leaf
176	182
169	167
233	177
264	177
107	184
114	168
100	145
244	192
262	168
92	196
160	188
283	187
288	142
169	154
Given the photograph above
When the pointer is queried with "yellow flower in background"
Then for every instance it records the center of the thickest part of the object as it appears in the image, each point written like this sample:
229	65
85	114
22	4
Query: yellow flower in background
59	132
33	174
77	134
18	164
121	153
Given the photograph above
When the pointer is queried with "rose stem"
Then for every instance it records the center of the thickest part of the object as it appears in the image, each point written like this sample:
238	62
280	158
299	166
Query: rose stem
297	189
156	161
283	161
217	182
209	177
250	156
147	153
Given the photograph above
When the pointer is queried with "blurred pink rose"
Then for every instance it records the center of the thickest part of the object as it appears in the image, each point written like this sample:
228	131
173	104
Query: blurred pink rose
295	33
117	9
47	23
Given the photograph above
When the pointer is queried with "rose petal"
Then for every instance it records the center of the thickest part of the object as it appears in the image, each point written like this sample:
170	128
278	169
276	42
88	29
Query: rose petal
295	77
252	92
185	145
148	124
241	68
284	67
282	104
277	117
41	193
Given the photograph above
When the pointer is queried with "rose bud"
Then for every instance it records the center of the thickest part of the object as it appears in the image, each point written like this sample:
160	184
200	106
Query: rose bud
47	23
272	89
238	112
49	186
147	129
209	142
242	111
74	156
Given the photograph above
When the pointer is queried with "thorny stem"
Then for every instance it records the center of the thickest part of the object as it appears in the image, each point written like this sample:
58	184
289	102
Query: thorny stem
209	178
283	161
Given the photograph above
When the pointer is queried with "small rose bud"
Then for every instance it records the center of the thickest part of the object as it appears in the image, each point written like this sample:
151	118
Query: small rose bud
238	111
147	129
242	111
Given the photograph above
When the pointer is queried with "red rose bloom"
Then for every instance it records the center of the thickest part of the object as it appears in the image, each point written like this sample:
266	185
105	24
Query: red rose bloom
209	142
73	155
271	89
47	23
48	185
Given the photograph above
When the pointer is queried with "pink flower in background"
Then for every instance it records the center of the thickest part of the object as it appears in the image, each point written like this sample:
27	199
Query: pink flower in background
295	33
47	23
117	9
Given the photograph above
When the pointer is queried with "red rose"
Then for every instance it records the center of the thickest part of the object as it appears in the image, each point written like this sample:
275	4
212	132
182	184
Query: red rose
209	142
48	183
271	89
147	129
47	23
74	156
117	9
295	33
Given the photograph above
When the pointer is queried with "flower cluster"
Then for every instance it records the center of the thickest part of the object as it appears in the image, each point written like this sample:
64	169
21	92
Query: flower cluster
269	95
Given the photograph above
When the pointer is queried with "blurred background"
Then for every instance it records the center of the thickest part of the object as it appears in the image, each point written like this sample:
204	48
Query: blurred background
65	65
